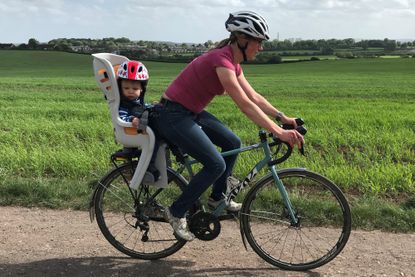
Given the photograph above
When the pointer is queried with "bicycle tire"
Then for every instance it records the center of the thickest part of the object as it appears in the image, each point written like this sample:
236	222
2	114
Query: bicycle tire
324	220
116	214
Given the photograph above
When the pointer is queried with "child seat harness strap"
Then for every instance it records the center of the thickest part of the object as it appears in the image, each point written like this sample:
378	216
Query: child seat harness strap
143	122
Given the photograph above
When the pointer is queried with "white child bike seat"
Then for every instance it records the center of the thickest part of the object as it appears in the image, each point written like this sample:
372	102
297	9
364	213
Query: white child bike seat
105	65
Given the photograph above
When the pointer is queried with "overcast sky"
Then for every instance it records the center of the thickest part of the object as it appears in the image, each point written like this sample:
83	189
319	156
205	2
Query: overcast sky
202	20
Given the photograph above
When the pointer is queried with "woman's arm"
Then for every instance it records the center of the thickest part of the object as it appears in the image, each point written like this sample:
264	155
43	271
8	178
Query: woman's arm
230	83
262	102
255	97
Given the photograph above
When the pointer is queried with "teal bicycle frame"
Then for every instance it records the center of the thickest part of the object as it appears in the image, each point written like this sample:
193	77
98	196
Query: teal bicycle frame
264	144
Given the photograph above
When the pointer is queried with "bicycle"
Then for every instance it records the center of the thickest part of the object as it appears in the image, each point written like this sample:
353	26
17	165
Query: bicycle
292	218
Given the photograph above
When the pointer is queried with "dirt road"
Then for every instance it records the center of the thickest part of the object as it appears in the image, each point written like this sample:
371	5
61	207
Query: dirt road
37	242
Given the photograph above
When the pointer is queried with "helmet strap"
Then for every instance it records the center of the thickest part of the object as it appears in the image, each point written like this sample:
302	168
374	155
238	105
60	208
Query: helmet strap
243	50
143	91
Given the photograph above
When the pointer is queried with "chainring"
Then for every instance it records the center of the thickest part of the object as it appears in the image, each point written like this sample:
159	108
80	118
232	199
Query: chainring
205	226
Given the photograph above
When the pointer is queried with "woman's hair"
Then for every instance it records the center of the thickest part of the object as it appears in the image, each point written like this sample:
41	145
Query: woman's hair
232	38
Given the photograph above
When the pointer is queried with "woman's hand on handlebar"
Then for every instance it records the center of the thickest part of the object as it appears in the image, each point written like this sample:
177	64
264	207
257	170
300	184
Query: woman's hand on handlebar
292	137
289	121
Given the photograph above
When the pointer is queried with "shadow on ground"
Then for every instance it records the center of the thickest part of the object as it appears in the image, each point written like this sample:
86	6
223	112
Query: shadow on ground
116	266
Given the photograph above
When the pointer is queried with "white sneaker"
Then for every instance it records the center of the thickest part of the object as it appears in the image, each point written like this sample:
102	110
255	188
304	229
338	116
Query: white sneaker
231	183
179	225
232	207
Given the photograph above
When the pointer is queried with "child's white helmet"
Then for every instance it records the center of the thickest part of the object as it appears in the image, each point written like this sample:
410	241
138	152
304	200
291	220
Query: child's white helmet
135	71
249	23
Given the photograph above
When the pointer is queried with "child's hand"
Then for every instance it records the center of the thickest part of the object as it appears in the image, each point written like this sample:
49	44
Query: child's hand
135	122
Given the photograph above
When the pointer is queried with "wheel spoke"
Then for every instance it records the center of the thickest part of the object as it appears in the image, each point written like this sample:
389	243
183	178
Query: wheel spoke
119	197
267	218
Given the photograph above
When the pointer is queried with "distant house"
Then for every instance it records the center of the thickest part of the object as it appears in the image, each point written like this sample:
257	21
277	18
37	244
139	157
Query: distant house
132	47
6	45
46	47
82	49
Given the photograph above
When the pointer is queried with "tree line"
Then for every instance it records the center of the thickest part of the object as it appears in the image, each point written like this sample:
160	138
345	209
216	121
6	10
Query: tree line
333	44
169	51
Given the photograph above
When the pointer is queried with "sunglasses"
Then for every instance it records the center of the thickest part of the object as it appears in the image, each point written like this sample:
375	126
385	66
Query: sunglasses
259	40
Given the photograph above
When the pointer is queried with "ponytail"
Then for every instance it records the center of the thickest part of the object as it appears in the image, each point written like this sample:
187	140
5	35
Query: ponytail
223	43
226	41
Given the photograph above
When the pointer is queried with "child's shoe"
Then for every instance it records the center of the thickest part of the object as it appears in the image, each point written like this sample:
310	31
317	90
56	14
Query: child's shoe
152	174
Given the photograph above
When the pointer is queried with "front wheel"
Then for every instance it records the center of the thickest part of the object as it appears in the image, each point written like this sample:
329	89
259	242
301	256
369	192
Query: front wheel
323	220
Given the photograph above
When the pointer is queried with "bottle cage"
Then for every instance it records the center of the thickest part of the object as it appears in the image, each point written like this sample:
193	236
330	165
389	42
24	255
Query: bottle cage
105	66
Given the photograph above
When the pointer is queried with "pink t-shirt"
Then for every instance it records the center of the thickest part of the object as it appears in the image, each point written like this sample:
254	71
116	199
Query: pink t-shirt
198	83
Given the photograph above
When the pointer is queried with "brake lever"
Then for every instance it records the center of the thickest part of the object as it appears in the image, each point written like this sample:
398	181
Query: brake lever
299	121
300	128
301	149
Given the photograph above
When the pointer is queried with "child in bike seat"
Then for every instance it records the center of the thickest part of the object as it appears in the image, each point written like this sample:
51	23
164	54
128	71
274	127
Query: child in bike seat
132	83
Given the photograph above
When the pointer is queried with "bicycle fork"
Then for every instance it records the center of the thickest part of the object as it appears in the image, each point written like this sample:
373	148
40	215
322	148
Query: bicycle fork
287	203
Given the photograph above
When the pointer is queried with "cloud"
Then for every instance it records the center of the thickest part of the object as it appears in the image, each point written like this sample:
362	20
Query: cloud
27	7
276	6
202	20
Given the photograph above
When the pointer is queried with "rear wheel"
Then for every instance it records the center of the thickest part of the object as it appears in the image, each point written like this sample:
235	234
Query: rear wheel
132	220
322	211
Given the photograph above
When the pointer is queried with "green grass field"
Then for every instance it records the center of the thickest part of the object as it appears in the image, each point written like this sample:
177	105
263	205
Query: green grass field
306	58
56	136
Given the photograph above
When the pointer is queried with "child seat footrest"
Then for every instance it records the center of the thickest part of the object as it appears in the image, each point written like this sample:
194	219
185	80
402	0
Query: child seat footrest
126	154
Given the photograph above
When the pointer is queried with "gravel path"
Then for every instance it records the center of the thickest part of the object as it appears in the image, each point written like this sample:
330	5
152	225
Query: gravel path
38	242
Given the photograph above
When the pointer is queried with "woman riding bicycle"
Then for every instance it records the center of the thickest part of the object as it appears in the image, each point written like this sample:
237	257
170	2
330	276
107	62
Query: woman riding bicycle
183	120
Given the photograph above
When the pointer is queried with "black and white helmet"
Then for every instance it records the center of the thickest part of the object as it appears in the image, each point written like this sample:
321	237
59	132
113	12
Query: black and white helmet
249	23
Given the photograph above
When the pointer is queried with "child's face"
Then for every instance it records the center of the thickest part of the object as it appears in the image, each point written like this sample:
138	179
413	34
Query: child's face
131	89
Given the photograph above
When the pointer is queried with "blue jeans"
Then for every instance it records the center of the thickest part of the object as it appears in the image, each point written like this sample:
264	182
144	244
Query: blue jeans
197	135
